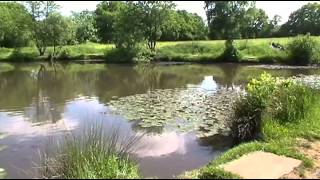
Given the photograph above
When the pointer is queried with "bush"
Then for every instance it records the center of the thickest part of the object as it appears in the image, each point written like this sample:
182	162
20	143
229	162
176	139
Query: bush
246	122
231	52
17	55
138	54
277	99
216	173
64	54
93	155
302	50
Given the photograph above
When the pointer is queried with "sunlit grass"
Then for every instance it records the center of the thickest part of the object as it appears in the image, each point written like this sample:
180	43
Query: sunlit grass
251	50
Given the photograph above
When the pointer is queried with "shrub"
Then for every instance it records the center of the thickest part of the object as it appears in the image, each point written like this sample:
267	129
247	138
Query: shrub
231	52
279	99
93	155
137	54
302	50
216	173
17	55
64	54
246	121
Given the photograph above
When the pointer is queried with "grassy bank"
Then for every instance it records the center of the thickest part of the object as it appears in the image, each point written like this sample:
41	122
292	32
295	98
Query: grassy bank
252	50
280	135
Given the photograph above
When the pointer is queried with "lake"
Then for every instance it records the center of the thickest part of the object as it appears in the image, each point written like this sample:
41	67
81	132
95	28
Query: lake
170	104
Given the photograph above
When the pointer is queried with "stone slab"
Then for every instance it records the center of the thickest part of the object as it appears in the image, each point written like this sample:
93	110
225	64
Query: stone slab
262	165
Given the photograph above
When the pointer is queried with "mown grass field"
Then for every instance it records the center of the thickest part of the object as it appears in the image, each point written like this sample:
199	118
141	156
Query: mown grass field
251	50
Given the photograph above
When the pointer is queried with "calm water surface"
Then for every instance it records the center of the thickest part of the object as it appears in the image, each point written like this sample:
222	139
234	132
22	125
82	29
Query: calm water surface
35	110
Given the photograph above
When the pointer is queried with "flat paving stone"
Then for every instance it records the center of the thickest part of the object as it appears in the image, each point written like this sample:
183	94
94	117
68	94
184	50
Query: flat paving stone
262	165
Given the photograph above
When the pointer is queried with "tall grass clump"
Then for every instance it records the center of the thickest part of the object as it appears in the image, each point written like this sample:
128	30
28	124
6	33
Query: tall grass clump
302	50
272	98
290	101
93	155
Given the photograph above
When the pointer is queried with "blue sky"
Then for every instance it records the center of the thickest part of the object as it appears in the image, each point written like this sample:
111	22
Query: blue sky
282	8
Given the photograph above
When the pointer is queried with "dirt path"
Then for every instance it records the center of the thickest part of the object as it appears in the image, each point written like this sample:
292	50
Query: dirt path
311	150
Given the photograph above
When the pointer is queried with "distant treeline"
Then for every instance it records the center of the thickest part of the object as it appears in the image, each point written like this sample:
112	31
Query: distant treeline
39	23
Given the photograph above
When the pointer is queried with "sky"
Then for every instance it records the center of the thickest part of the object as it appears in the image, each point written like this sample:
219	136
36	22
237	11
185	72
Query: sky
282	8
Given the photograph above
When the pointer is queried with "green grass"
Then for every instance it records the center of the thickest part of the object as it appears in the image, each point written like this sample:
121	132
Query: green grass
92	155
252	50
279	137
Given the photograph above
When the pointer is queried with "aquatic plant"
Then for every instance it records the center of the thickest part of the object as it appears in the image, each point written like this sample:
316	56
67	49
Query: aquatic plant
181	109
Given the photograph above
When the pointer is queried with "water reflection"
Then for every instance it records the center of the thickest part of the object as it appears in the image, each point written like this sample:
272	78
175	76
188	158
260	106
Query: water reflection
209	84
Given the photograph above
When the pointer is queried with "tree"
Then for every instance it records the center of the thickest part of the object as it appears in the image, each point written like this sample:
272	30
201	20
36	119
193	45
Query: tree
127	27
130	30
85	26
255	23
304	20
14	25
182	25
153	16
225	17
40	11
106	14
59	32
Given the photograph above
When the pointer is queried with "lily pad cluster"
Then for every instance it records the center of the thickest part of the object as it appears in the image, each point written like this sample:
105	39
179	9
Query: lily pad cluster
182	109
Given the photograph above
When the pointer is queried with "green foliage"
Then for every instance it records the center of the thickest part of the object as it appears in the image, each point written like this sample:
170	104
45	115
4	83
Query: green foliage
246	122
135	55
302	21
14	25
154	15
230	52
290	102
58	31
280	136
262	87
302	50
275	98
256	23
181	26
225	17
106	14
93	155
216	173
41	28
85	26
18	55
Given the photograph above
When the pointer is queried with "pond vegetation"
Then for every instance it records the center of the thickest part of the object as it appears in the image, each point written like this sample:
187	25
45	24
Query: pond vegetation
277	112
196	107
92	155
